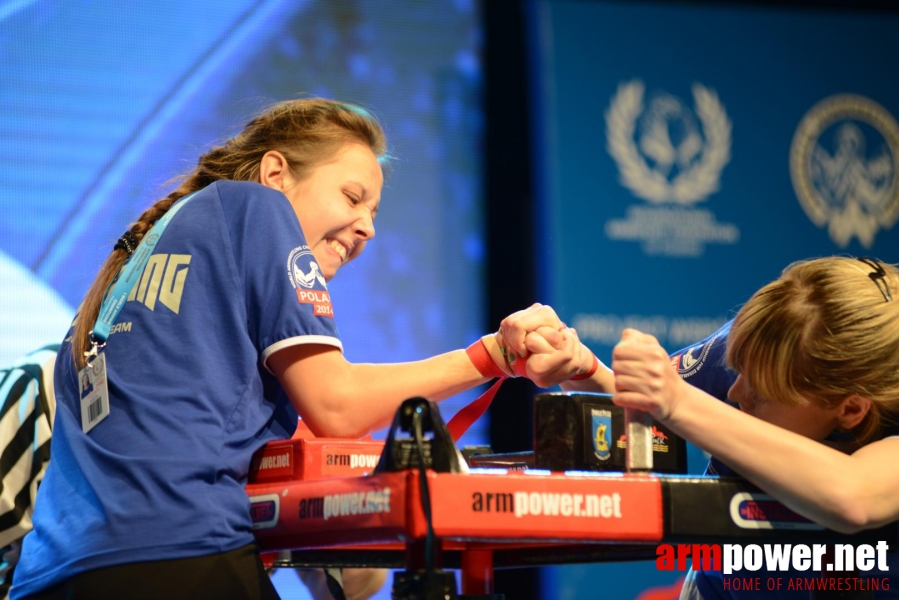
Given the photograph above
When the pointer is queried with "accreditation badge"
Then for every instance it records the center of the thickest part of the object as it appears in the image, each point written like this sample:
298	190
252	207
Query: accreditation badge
94	388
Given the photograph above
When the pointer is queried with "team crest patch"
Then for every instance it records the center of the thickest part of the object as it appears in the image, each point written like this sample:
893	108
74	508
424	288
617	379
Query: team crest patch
844	163
602	433
306	278
690	362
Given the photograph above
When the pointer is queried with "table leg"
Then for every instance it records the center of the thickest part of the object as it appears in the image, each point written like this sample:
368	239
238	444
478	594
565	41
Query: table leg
477	571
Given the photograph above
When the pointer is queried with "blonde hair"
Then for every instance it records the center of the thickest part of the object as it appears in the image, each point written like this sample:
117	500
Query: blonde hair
821	332
307	132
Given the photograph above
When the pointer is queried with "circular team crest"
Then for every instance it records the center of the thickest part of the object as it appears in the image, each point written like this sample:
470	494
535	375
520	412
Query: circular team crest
690	362
663	154
302	269
844	163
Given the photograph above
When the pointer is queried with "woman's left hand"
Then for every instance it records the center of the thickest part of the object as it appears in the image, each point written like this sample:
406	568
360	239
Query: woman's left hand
644	377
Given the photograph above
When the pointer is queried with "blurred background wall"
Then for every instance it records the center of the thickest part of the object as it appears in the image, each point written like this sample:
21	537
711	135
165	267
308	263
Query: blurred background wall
642	164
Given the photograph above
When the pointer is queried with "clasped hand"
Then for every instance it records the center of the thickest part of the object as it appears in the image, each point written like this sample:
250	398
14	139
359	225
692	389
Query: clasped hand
643	375
551	352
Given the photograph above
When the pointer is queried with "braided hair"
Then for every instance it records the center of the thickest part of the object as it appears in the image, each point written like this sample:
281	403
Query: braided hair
308	132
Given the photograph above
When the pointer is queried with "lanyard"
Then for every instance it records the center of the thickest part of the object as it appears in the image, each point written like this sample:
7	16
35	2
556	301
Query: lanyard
125	280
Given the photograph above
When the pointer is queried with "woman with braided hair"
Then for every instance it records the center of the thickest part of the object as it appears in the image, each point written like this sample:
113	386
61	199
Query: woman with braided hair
209	328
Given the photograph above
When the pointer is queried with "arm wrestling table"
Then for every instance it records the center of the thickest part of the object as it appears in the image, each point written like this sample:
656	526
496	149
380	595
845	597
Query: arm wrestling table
312	496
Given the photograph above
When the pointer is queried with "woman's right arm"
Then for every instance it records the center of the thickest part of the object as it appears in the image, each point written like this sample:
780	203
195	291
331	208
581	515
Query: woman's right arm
846	493
337	398
341	399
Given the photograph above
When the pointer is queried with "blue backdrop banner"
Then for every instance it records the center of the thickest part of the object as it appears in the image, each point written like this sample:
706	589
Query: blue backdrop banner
689	153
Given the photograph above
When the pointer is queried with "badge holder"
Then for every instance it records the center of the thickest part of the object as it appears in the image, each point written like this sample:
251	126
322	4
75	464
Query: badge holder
94	388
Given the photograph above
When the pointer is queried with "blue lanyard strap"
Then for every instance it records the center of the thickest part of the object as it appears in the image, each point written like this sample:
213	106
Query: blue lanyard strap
127	279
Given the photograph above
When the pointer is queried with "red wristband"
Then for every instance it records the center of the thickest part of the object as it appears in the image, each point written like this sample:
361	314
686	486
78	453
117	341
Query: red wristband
519	367
482	360
589	373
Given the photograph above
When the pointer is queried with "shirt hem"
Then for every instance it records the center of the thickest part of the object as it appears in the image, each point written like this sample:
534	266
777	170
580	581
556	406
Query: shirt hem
298	341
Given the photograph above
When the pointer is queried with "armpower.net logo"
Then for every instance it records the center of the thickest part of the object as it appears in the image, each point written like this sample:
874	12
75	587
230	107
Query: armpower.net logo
840	567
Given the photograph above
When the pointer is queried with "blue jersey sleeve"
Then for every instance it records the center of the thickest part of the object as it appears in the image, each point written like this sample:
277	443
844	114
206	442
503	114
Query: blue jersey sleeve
286	296
704	365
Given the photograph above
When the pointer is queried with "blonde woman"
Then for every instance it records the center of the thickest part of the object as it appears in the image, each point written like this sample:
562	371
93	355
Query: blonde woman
815	357
810	367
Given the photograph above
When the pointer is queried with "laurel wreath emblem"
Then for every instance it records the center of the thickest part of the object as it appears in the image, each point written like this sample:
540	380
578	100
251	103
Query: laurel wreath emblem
851	219
689	186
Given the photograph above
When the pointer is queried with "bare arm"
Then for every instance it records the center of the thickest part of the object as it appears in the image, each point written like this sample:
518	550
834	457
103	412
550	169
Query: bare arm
844	492
603	381
340	399
847	493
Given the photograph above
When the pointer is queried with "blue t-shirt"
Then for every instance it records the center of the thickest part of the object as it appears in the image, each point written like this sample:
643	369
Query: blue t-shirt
230	281
704	365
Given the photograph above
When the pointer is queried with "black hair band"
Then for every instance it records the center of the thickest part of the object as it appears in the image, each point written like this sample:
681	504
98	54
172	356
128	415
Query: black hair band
128	242
879	276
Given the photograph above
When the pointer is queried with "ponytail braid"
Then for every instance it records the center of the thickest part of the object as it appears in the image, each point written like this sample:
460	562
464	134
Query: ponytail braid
307	132
90	306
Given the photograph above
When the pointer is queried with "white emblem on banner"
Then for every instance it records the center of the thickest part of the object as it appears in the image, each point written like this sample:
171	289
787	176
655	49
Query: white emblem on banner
844	162
667	154
661	155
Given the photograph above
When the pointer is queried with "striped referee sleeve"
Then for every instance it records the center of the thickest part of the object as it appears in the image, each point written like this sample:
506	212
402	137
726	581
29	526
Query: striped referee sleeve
26	421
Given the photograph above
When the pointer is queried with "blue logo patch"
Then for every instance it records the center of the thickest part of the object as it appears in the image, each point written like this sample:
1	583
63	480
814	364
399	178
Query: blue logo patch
690	362
602	433
303	271
750	510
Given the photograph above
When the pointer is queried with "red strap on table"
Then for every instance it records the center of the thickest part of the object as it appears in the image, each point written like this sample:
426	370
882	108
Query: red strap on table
483	362
485	365
463	419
